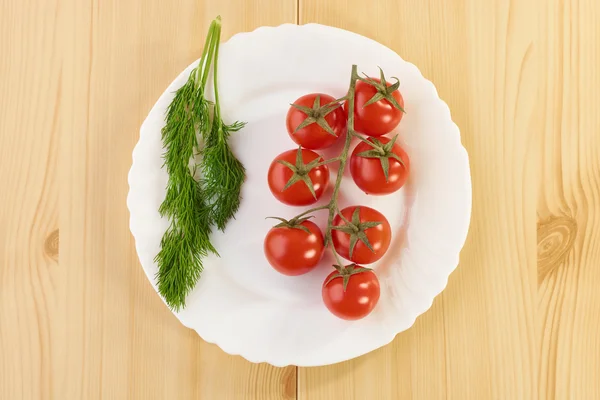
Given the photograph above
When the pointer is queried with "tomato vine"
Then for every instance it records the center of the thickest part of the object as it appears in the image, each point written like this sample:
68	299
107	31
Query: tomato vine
332	206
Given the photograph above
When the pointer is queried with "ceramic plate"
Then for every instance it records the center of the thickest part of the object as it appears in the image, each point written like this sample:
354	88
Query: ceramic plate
240	302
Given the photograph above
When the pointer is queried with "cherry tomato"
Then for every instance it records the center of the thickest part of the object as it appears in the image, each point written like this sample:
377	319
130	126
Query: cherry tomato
357	299
368	172
300	169
377	118
294	250
367	227
311	108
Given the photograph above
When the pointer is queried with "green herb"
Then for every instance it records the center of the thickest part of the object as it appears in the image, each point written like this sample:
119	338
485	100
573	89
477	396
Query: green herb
223	173
191	205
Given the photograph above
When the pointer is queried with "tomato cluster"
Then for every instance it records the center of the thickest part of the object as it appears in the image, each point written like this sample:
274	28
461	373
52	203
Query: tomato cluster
300	177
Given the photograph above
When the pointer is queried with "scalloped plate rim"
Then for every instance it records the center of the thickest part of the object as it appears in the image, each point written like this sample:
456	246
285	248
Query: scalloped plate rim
273	361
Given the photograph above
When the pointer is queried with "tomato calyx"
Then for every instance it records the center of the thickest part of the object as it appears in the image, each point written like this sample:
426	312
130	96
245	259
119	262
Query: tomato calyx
317	114
356	229
300	171
383	90
346	272
294	223
382	151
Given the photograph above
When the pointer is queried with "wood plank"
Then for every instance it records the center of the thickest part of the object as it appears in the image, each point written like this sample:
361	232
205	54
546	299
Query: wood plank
478	340
30	275
78	318
569	202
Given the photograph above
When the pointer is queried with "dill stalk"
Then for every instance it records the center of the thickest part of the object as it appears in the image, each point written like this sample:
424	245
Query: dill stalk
223	173
187	240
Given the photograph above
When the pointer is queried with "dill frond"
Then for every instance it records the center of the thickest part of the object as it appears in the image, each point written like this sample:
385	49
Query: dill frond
187	240
223	174
194	206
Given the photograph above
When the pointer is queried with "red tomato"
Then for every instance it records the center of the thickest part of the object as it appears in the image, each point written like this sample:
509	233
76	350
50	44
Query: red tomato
357	299
363	230
378	118
312	110
368	172
300	169
292	250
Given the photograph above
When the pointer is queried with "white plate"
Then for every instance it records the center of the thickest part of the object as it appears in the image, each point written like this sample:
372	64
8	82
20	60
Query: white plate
240	302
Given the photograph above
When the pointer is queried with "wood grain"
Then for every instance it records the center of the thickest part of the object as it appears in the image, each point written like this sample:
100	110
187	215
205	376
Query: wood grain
568	307
519	318
497	333
78	318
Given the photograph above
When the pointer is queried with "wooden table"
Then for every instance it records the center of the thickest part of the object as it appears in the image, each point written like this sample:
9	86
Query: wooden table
520	316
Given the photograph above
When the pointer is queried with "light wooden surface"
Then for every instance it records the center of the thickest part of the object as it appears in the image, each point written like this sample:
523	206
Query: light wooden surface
520	316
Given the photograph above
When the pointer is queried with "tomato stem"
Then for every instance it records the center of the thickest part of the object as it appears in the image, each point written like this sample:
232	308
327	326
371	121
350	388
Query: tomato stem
331	160
344	155
343	158
310	211
359	137
342	217
338	260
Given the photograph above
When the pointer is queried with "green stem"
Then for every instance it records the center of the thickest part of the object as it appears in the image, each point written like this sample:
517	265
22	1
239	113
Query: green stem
372	143
333	208
344	155
342	217
335	254
336	101
356	135
216	69
201	69
215	37
331	160
310	211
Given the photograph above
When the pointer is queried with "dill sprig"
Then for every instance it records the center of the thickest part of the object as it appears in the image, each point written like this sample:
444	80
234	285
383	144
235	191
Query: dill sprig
191	205
187	240
223	176
223	173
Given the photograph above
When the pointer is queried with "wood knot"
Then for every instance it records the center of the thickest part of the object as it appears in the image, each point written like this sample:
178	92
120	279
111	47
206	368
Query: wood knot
51	245
556	236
